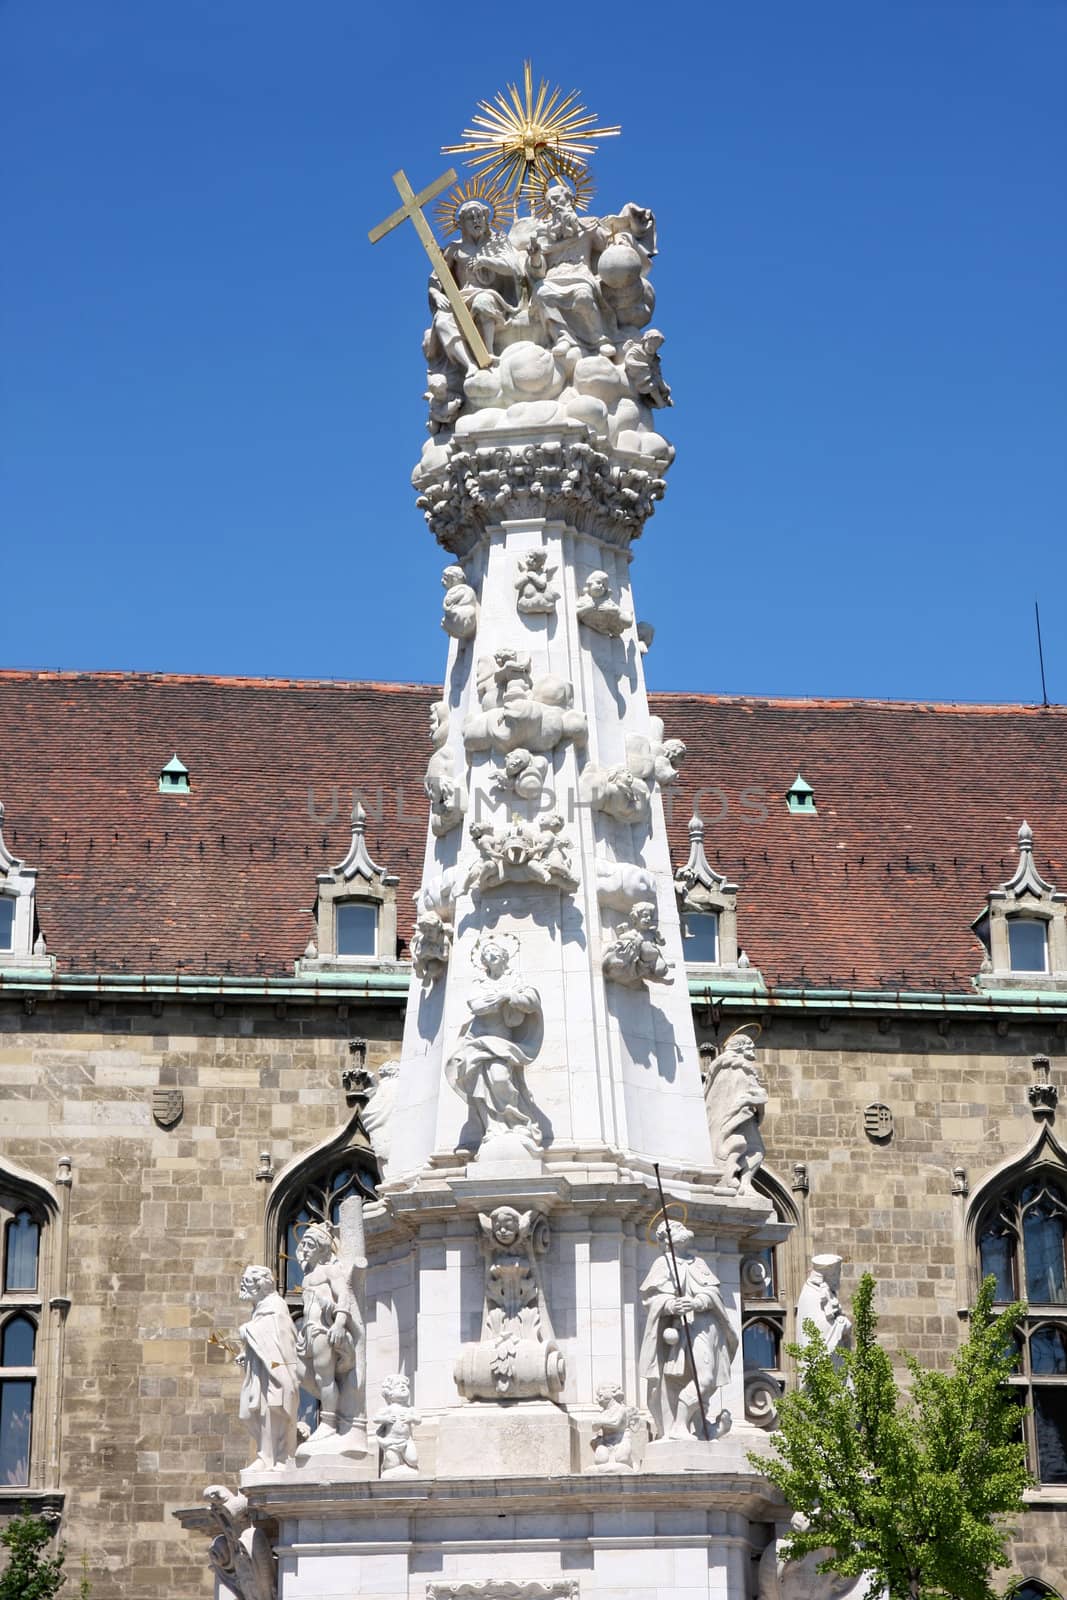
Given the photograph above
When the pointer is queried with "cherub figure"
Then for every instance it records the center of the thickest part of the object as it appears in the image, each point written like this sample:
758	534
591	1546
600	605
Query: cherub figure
393	1428
536	594
614	1429
443	406
523	775
598	609
634	956
431	944
460	604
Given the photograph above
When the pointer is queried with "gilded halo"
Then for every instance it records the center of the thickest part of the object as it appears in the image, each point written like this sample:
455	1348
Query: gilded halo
501	204
575	175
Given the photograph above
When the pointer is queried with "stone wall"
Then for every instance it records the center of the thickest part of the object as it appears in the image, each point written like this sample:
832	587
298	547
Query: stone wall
958	1094
162	1221
161	1224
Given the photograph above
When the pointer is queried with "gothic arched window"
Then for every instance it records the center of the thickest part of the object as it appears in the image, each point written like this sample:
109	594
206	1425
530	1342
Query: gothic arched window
1022	1242
23	1344
1032	1589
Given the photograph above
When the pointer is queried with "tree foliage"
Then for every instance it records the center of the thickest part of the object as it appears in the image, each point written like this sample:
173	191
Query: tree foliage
29	1573
909	1489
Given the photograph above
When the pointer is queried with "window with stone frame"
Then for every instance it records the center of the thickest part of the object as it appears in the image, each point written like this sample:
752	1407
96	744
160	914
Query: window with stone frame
1024	927
769	1288
21	1308
1032	1589
1021	1237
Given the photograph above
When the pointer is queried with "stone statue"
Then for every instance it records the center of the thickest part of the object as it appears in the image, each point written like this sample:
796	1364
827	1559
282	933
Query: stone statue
560	263
447	794
393	1429
523	776
536	594
614	1429
599	610
735	1100
517	1357
517	713
487	1065
621	884
641	365
431	946
379	1108
332	1339
819	1303
443	406
270	1392
521	852
633	956
240	1555
460	604
665	1367
801	1580
616	791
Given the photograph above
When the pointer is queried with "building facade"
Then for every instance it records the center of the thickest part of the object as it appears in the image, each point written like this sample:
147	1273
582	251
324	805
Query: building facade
206	918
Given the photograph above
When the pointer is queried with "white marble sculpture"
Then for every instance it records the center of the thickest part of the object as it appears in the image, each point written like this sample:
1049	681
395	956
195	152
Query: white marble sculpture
240	1555
518	713
735	1100
674	1392
521	852
801	1580
597	608
394	1426
819	1303
517	1357
641	365
460	604
270	1390
488	1063
523	775
379	1109
446	792
634	954
332	1339
620	885
536	595
624	791
614	1430
431	946
444	407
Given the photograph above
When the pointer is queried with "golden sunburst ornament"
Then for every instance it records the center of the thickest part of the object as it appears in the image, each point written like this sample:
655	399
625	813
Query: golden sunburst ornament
518	136
501	204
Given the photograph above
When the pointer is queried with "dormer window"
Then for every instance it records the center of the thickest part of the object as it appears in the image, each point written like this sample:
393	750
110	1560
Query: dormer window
21	942
357	928
356	909
800	796
1028	944
1024	927
174	778
708	907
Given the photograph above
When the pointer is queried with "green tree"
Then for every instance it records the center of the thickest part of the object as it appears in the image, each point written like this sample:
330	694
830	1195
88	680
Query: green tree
910	1489
29	1573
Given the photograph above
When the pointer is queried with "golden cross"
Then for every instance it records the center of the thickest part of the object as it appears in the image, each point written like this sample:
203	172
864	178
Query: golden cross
411	210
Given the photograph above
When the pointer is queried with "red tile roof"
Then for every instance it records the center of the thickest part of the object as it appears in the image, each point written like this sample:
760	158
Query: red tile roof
918	808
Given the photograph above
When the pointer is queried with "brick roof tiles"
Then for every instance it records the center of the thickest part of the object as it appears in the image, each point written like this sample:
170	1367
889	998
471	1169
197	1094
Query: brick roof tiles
918	808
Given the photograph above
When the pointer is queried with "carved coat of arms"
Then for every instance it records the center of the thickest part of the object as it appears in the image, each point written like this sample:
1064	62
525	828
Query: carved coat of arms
167	1106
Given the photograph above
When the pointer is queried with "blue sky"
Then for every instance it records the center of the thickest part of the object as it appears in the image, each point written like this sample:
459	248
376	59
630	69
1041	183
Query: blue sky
211	392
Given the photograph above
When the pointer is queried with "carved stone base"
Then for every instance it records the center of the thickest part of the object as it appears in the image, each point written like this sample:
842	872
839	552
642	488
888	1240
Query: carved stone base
523	1439
350	1445
536	1370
